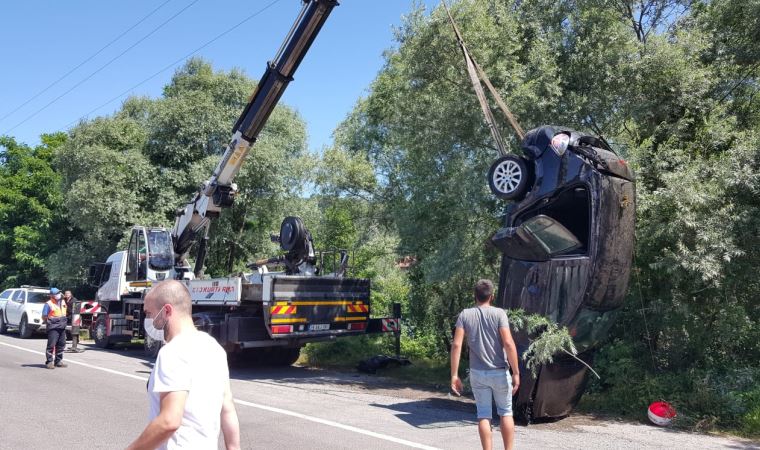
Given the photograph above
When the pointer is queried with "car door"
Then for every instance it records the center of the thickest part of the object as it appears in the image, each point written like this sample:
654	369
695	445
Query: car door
15	307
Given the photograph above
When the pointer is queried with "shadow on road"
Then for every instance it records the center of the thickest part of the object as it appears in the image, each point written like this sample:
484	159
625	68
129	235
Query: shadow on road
36	366
433	413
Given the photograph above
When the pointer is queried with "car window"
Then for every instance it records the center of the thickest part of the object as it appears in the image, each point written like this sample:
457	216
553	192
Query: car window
6	294
551	235
37	297
18	296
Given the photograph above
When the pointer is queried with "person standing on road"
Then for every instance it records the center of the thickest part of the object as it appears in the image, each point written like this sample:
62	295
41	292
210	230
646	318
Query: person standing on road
488	338
54	316
189	388
72	308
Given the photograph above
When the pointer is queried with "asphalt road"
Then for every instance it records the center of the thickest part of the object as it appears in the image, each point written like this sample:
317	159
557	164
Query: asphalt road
99	401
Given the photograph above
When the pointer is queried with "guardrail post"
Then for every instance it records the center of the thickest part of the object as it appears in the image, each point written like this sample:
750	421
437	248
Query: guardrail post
397	333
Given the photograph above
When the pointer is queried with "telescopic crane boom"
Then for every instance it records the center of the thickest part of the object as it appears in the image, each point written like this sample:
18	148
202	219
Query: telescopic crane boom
218	191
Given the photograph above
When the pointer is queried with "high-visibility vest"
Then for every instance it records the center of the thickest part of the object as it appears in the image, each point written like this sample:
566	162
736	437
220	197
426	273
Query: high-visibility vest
56	309
56	319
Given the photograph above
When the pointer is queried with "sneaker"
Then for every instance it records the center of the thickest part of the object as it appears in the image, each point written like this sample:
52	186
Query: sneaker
61	364
49	366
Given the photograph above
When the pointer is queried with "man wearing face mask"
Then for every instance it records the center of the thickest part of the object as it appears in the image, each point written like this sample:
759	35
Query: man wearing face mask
54	316
189	388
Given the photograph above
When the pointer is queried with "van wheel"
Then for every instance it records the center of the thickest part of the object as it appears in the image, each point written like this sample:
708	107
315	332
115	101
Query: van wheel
508	178
3	325
100	332
24	330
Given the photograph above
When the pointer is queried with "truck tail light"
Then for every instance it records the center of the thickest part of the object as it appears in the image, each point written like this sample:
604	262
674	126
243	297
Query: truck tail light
356	326
281	329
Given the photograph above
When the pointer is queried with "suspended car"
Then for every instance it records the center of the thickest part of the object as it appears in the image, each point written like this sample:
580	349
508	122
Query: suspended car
567	246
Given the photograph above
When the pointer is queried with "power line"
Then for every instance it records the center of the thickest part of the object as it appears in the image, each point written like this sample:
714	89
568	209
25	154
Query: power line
179	60
102	67
85	61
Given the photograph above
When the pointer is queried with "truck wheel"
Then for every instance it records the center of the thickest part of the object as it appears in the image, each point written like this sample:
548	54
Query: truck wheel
151	346
508	177
286	356
100	333
3	325
24	330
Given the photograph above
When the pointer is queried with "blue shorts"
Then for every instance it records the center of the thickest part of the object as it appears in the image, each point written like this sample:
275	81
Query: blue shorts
490	386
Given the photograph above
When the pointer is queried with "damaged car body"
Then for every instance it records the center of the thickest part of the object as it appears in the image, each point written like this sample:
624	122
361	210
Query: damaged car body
567	243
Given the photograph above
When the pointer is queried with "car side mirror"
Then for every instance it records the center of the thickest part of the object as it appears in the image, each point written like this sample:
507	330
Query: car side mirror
537	239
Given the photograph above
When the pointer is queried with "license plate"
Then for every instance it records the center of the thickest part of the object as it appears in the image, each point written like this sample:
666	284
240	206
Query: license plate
319	327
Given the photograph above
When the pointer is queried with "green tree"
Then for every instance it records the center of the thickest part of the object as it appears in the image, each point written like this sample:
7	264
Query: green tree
30	214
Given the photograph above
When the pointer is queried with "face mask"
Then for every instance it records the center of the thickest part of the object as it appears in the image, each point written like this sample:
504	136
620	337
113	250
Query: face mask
57	296
154	333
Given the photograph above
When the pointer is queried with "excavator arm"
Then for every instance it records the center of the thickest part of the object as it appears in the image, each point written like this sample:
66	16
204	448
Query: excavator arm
219	190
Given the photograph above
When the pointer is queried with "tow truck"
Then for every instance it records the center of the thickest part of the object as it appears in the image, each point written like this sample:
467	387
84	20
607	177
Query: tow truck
272	312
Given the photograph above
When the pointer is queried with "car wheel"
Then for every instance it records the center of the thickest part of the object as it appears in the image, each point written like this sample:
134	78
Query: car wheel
3	325
24	330
508	177
100	332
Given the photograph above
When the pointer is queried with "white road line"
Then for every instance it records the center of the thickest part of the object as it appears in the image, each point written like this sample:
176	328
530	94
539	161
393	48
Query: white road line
70	361
256	405
336	425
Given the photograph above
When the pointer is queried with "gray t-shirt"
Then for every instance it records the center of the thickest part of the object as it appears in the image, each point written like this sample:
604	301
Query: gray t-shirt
481	326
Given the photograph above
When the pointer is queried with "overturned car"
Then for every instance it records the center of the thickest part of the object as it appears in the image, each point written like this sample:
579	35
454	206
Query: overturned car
567	246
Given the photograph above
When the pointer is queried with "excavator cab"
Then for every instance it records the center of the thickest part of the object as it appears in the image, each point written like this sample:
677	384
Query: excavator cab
150	254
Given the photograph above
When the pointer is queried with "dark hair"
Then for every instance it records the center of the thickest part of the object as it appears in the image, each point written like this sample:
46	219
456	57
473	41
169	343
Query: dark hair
483	290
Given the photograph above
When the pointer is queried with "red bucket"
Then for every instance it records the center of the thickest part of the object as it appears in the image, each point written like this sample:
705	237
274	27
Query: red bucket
661	413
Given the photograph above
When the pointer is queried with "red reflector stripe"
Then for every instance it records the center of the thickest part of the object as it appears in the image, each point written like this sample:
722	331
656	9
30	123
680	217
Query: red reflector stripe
280	329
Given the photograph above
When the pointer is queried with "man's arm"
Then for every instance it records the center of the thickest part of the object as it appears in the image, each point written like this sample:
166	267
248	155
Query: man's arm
229	419
511	349
456	354
169	419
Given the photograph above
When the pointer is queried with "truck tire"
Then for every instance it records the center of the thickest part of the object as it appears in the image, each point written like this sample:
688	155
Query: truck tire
3	324
24	330
100	332
285	357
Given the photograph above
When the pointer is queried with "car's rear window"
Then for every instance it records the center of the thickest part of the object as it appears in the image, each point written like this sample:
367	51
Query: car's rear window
37	297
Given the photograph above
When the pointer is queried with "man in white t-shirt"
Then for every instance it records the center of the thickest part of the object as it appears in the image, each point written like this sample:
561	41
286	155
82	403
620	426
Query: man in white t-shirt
189	388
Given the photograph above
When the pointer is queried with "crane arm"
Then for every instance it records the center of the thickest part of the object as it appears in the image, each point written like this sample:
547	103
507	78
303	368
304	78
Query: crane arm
218	191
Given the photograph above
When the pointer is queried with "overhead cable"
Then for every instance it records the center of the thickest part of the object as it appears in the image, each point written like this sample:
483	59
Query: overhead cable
177	61
102	67
88	59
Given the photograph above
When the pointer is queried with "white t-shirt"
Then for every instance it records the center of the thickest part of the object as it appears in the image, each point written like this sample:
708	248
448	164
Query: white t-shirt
194	362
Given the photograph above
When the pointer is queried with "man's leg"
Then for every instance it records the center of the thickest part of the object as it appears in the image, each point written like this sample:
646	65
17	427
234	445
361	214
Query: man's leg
52	339
502	394
507	425
60	346
484	430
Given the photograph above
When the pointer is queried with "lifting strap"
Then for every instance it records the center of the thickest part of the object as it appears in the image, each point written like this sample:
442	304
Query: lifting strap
476	75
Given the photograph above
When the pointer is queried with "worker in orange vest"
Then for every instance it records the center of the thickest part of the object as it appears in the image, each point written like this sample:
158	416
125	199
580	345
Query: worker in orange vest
54	314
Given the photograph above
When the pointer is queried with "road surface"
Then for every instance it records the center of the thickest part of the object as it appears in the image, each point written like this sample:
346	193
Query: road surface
99	402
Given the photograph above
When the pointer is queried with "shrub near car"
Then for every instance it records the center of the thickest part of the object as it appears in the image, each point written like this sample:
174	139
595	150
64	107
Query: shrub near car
21	308
567	242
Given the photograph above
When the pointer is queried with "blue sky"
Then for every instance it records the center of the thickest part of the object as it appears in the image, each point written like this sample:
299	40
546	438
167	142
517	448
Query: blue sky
42	40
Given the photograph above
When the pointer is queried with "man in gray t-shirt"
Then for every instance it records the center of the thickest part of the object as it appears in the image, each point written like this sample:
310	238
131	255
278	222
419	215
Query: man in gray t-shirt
488	338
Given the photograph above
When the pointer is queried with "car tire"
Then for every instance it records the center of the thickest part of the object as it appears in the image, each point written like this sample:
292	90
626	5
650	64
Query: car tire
3	324
24	330
99	334
508	177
